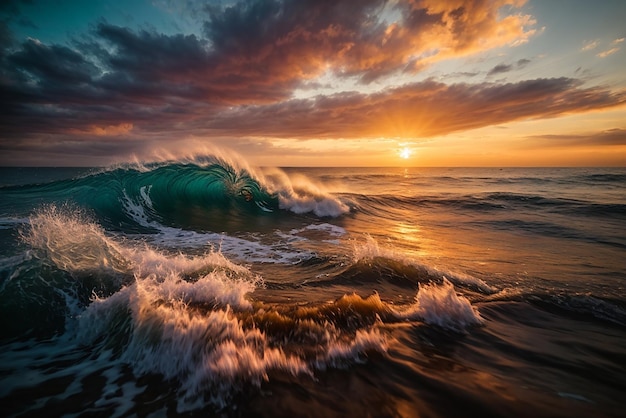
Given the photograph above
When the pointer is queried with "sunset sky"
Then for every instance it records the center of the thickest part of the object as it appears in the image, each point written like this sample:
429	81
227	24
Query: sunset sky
314	83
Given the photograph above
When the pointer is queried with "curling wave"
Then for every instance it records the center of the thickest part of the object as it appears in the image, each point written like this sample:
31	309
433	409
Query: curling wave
198	193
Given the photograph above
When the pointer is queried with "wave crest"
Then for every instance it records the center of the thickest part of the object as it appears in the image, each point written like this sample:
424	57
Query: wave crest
439	304
300	195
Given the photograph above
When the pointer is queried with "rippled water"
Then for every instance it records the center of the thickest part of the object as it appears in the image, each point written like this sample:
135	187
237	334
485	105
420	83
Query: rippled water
206	286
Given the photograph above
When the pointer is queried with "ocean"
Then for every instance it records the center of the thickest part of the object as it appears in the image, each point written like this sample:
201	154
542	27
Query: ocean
204	286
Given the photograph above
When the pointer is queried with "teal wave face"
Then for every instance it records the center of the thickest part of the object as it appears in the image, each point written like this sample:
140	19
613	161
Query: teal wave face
171	193
190	184
189	194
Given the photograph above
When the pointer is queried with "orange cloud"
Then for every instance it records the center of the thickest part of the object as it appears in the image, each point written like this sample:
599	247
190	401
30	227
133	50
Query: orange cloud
431	31
418	110
107	130
589	45
608	52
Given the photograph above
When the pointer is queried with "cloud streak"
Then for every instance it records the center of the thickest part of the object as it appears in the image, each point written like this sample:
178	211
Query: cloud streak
608	52
418	110
590	45
610	137
505	68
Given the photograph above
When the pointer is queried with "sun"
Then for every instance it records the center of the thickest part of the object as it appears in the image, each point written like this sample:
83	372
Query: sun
405	153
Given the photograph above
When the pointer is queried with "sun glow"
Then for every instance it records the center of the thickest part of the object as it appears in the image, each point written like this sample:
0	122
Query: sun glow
405	153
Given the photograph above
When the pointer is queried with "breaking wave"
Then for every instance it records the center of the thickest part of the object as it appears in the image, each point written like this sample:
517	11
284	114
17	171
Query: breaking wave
197	193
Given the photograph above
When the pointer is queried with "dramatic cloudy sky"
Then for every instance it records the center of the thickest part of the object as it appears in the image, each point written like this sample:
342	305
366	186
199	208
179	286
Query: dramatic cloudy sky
314	82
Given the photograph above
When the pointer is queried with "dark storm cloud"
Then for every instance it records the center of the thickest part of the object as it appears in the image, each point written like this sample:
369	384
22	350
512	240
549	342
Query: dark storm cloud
151	56
53	64
505	68
500	68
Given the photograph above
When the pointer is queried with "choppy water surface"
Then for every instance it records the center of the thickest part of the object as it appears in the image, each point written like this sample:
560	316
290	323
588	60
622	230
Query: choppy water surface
206	286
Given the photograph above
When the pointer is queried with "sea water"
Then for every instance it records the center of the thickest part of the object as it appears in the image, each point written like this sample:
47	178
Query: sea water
204	285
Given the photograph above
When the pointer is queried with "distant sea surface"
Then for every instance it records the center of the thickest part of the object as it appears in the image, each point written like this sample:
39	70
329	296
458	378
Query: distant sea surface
206	287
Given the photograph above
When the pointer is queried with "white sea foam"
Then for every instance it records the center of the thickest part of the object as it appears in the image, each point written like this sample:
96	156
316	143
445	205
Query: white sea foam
340	351
136	209
299	194
144	192
238	248
73	242
180	316
370	249
147	261
208	351
439	304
